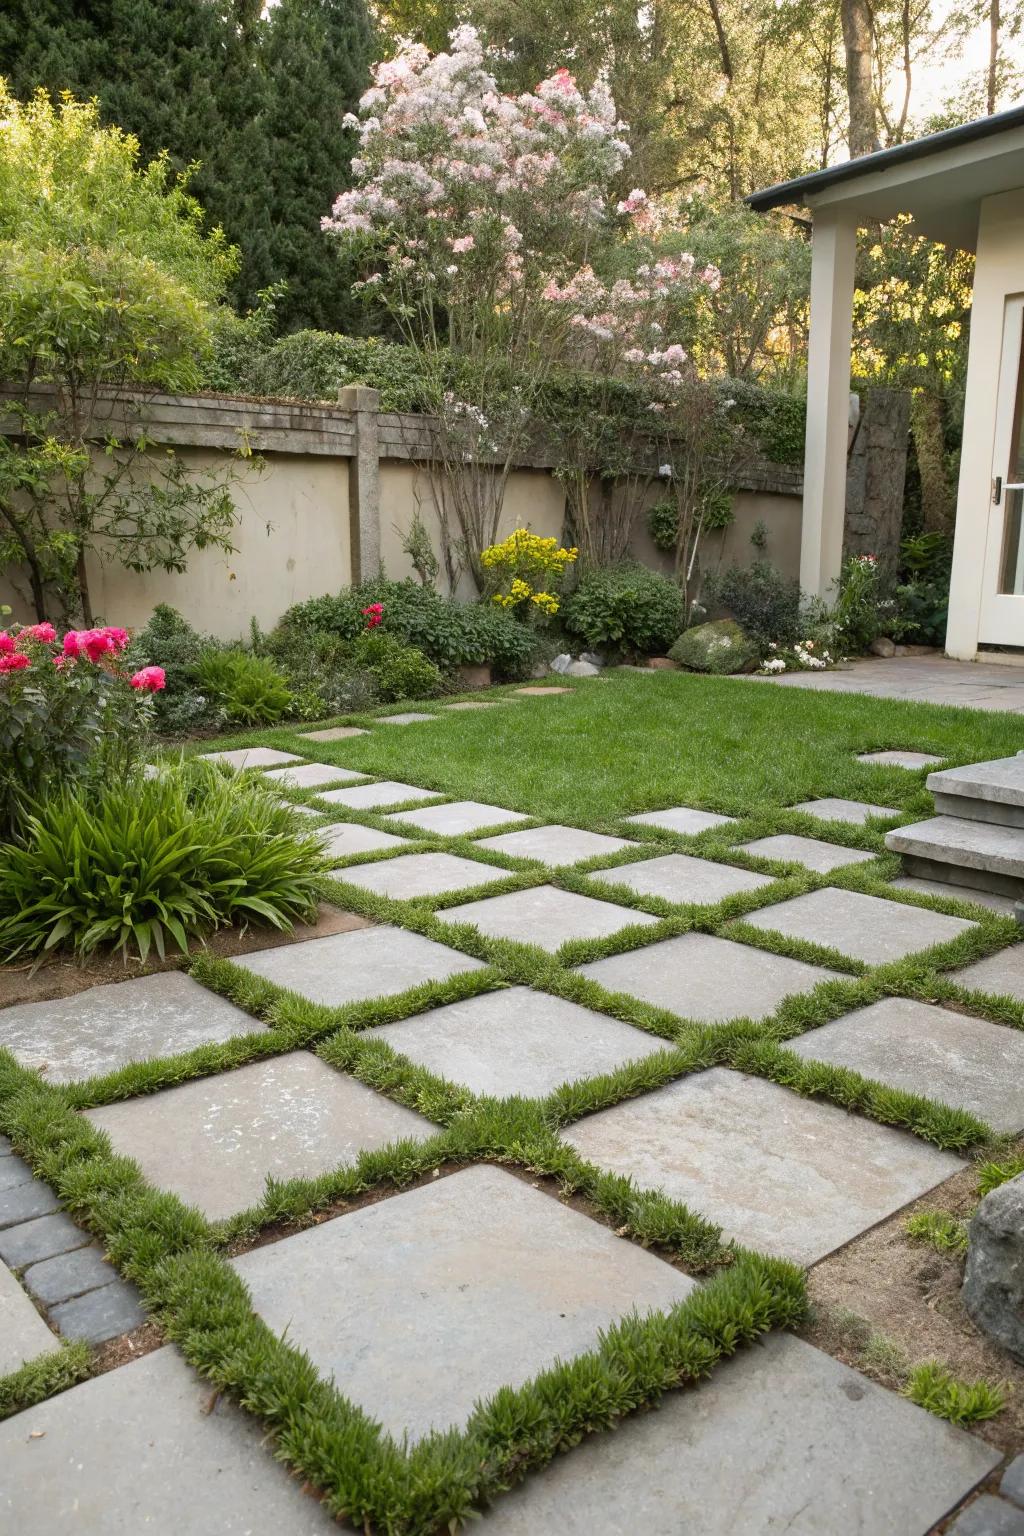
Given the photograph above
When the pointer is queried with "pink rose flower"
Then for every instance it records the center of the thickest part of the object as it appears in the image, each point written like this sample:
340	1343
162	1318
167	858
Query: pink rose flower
13	661
149	679
45	634
7	644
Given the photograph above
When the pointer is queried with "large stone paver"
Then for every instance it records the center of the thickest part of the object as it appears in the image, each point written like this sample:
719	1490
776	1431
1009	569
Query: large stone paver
23	1334
370	797
415	875
782	1438
346	839
458	818
966	1063
352	967
703	977
215	1140
832	808
311	775
407	717
252	757
555	845
546	916
424	1303
335	733
1004	905
681	818
867	928
811	852
791	1176
681	878
517	1041
899	759
1001	973
149	1447
107	1027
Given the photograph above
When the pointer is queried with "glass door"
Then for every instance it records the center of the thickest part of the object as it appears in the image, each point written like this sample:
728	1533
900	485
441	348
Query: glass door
1002	609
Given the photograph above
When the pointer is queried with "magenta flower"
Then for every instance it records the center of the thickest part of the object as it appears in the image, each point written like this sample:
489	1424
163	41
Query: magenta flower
149	680
13	661
45	634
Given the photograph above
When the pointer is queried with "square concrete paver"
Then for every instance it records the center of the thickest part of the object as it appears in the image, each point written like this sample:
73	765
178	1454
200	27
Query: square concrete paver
426	1302
792	1176
555	845
832	808
900	759
108	1027
950	892
681	878
458	818
352	967
414	875
966	1063
811	852
517	1041
214	1141
408	717
252	757
335	733
473	704
546	916
312	775
345	839
370	797
826	1452
539	693
1001	973
681	818
148	1447
866	928
23	1334
703	977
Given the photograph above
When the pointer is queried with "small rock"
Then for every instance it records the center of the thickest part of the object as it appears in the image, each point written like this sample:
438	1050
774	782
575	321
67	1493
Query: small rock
562	663
592	656
663	664
882	646
582	669
994	1280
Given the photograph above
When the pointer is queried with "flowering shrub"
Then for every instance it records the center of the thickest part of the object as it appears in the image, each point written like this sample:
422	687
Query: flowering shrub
374	615
803	656
856	612
527	570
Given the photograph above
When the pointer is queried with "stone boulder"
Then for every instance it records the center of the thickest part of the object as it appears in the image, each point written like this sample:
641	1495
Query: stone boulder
720	647
994	1282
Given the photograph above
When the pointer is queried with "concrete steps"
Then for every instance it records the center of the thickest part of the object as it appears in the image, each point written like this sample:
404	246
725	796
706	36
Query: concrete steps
977	839
982	791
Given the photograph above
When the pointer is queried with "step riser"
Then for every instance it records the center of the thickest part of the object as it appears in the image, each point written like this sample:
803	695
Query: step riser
970	808
959	874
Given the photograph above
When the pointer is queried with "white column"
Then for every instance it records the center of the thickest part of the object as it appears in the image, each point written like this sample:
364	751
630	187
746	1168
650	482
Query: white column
828	401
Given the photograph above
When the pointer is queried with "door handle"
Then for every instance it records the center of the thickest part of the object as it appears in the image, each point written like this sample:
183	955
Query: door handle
997	490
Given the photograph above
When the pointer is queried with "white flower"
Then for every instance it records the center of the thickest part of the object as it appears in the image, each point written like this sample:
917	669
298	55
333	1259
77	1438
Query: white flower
665	471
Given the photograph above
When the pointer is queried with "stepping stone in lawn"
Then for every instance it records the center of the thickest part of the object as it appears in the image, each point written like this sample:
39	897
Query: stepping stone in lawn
825	1450
681	878
794	1177
555	845
811	852
831	808
537	693
866	928
517	1042
150	1446
422	1304
107	1027
699	976
301	810
1001	974
546	916
370	797
900	759
682	818
349	838
458	818
334	733
1004	905
312	775
23	1334
409	717
414	875
964	1062
473	704
251	757
214	1141
353	967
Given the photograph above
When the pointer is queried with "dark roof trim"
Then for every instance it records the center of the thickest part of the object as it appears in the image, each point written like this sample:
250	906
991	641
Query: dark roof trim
802	187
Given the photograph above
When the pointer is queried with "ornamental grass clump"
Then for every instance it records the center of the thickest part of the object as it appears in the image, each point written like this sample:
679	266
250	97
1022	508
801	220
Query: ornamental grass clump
151	863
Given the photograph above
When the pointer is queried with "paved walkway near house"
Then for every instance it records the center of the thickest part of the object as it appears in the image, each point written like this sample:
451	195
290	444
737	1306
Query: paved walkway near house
927	679
427	1300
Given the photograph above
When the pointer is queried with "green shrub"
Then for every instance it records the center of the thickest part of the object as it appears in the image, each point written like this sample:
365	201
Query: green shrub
320	671
249	688
626	608
171	642
934	1387
143	863
764	603
776	421
399	671
720	647
856	614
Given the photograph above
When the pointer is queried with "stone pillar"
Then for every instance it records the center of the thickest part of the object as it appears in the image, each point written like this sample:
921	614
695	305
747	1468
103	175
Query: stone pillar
828	400
364	480
875	478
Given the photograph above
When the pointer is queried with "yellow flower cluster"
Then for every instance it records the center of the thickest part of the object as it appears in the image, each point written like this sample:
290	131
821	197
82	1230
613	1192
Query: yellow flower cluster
530	565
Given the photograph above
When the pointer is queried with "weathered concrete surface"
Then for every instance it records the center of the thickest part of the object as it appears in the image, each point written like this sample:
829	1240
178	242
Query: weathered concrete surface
351	967
998	782
1001	973
24	1202
458	818
517	1041
681	818
811	852
23	1334
99	1315
407	717
412	876
972	845
252	757
555	845
14	1172
108	1027
546	916
344	839
41	1239
681	878
964	1062
866	928
703	977
950	892
988	1516
899	759
832	808
148	1447
215	1140
993	1289
825	1452
791	1176
335	733
312	775
69	1274
370	797
426	1302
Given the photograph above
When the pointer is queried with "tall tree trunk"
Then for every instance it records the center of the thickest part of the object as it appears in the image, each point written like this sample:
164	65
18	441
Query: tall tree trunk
938	500
863	135
993	55
35	574
83	589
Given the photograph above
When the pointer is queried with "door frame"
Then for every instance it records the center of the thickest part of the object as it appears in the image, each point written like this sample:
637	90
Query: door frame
1001	618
